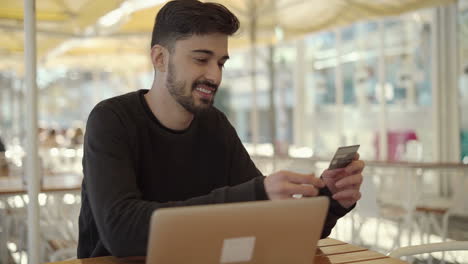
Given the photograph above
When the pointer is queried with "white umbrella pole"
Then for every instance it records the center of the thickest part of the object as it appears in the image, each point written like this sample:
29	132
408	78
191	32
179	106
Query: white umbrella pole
339	88
383	122
253	73
32	161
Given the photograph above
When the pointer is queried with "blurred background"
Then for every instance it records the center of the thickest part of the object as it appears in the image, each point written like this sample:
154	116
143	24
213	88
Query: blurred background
304	78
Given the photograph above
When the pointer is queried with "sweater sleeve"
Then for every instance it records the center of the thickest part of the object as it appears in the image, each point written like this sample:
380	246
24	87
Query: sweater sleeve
243	169
121	215
335	212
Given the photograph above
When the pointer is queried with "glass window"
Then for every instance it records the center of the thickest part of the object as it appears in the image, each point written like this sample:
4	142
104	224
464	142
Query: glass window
285	60
237	86
349	69
408	85
349	56
408	59
237	81
61	93
7	93
322	55
463	81
366	65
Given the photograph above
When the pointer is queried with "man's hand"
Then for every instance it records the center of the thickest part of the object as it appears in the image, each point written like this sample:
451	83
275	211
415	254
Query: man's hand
285	184
345	183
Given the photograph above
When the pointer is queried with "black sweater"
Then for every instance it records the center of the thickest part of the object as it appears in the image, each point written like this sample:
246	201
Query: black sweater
133	165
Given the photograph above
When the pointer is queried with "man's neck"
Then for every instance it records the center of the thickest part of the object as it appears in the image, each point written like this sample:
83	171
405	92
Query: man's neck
168	112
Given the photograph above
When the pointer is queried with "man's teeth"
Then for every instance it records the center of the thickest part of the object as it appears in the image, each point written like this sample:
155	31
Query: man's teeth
204	90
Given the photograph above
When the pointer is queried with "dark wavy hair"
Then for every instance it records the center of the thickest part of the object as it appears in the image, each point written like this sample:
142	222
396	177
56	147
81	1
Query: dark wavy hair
180	19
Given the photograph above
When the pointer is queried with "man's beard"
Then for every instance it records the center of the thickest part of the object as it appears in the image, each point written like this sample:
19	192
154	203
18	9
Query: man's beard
176	89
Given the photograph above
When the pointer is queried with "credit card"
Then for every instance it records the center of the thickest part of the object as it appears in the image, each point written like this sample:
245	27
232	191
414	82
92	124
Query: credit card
343	157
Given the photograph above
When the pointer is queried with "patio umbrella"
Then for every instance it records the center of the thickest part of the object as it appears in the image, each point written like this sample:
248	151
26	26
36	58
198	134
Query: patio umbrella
61	26
83	27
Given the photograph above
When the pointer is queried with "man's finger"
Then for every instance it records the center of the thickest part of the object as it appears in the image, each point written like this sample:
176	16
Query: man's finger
355	179
299	178
349	194
355	166
333	173
305	190
356	157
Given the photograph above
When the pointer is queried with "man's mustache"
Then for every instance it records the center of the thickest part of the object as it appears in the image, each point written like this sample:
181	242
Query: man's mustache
207	83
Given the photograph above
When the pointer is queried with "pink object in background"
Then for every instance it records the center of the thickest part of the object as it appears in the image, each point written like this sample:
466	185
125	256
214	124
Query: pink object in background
396	144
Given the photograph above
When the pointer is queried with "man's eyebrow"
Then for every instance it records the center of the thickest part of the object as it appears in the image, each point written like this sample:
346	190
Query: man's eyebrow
209	52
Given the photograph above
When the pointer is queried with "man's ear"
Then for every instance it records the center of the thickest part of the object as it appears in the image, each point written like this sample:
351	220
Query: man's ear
159	57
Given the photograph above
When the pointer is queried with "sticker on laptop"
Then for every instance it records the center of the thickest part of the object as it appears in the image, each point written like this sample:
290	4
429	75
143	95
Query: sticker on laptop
239	249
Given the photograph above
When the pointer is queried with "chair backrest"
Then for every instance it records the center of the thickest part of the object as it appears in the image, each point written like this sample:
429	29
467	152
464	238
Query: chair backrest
460	196
63	254
367	206
396	187
429	248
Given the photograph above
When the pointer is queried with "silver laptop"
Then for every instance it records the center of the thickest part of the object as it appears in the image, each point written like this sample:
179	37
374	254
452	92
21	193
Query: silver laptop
270	232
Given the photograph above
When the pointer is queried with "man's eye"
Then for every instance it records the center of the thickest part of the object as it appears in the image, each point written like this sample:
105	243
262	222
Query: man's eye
221	65
202	60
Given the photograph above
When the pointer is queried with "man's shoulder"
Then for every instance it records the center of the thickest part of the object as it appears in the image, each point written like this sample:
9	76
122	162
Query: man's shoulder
125	105
128	99
119	110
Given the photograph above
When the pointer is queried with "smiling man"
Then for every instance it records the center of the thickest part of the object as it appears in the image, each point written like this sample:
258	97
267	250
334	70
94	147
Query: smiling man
170	147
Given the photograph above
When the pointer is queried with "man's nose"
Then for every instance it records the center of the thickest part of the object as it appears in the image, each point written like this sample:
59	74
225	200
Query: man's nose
214	74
